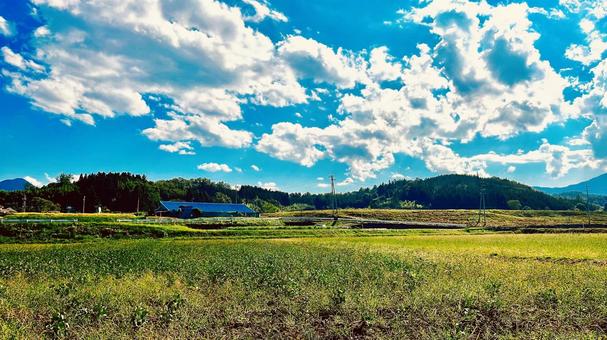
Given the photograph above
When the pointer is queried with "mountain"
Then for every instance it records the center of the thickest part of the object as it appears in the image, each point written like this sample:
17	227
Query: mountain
14	184
596	186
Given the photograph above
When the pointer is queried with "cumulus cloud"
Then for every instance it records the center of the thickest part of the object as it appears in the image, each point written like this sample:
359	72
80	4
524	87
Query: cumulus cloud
316	61
16	60
593	104
596	45
382	65
483	78
33	181
255	168
214	167
182	148
200	55
41	31
558	160
262	11
268	186
6	28
397	176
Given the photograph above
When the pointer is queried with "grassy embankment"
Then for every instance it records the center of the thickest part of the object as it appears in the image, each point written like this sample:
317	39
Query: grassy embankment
418	287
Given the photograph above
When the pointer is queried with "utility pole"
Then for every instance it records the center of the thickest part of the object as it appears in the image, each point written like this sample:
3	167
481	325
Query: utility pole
83	203
333	199
24	202
137	203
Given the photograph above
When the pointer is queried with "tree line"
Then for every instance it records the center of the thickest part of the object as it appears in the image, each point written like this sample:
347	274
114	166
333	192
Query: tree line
126	192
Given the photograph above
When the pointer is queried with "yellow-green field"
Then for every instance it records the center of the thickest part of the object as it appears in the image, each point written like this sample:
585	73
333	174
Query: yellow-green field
508	218
413	285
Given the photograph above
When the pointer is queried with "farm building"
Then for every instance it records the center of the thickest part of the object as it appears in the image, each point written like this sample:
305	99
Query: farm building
200	209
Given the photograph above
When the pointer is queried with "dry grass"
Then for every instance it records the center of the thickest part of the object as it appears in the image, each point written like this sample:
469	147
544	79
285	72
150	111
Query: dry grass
508	218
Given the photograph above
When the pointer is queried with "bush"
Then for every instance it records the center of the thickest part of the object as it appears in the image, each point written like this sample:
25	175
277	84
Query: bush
298	207
39	204
410	205
514	205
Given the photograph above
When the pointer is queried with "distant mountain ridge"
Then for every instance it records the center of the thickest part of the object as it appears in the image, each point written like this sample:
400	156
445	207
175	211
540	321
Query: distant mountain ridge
596	186
15	184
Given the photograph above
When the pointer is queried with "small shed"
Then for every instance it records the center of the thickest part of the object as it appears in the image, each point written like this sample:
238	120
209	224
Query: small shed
187	210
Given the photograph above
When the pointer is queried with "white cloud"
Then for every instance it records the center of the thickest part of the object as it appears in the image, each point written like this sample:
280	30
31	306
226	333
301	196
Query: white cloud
42	31
6	28
16	60
33	181
214	167
397	176
239	170
292	142
298	115
345	182
593	50
182	148
316	61
558	160
382	66
262	11
255	168
322	185
482	78
49	179
205	130
511	169
596	135
199	54
268	186
320	178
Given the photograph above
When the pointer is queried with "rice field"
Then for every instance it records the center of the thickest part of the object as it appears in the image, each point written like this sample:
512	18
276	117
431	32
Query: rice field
414	285
495	218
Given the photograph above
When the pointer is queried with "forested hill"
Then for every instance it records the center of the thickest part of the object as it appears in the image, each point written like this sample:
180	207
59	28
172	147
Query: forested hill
125	191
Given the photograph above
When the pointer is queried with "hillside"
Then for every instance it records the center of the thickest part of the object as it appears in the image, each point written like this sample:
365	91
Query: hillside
124	192
596	186
451	192
14	184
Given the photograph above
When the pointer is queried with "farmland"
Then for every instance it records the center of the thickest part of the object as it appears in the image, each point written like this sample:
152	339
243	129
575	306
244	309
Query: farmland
495	218
300	281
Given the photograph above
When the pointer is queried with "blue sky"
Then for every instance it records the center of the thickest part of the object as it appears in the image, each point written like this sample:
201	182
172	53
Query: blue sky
283	94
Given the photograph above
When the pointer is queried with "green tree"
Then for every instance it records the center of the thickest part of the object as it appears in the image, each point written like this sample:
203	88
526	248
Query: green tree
514	205
40	204
220	197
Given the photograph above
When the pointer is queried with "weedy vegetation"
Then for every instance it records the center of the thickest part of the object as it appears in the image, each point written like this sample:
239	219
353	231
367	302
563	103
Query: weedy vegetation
415	286
276	281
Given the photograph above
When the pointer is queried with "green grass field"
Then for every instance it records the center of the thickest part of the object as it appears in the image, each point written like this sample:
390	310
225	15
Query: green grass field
414	285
